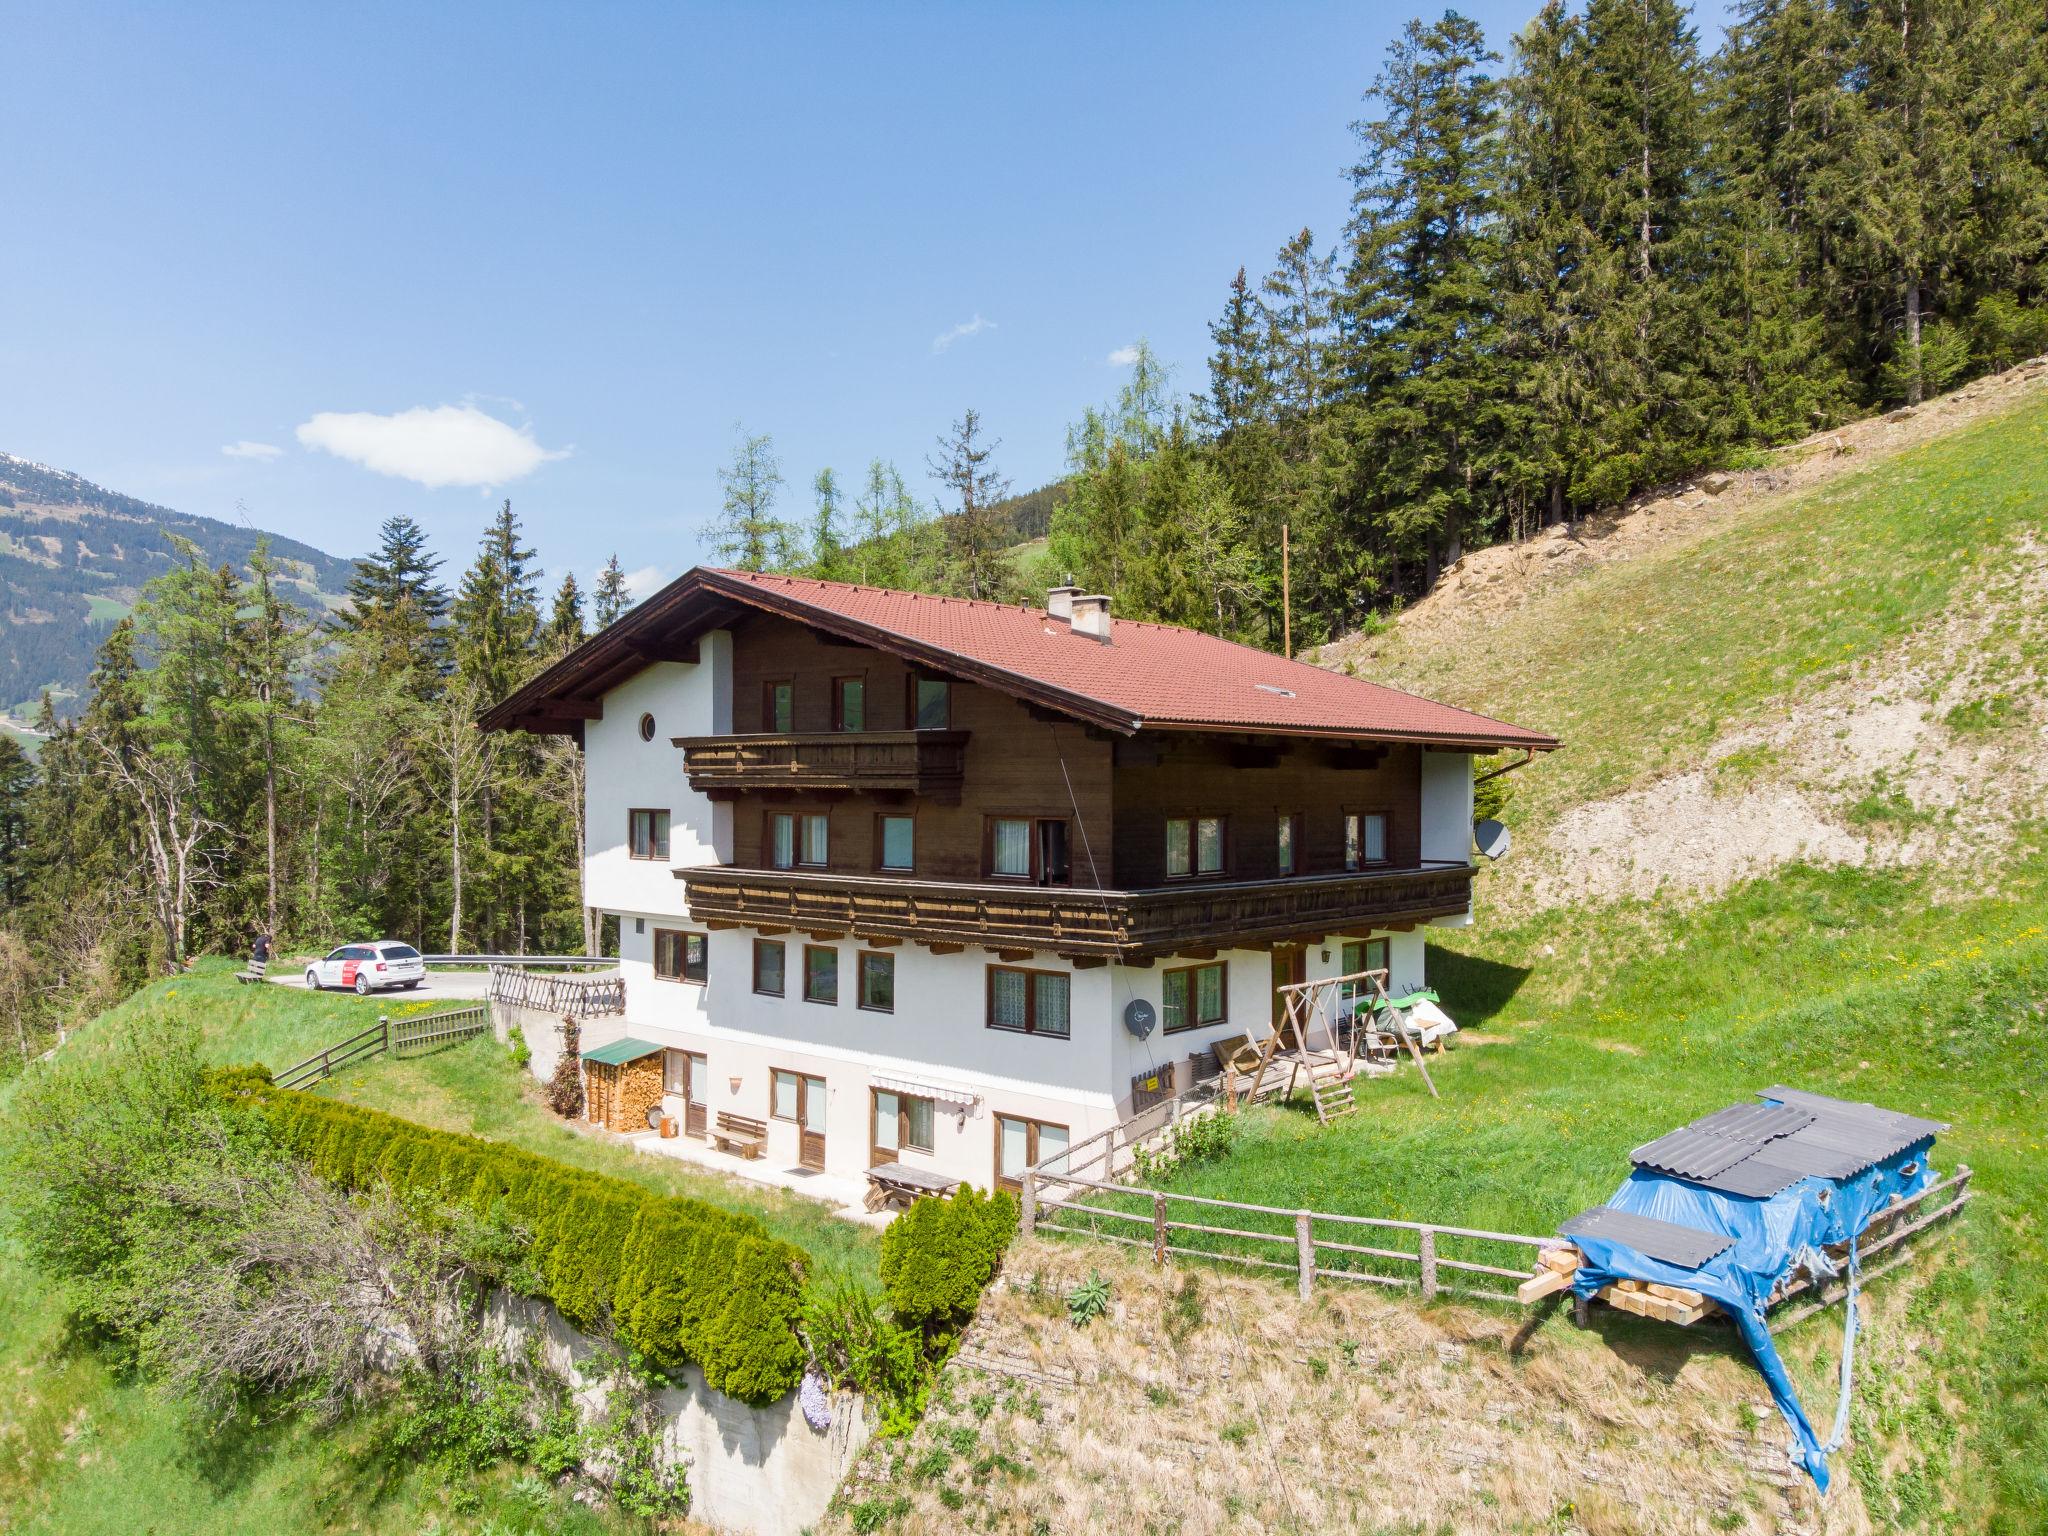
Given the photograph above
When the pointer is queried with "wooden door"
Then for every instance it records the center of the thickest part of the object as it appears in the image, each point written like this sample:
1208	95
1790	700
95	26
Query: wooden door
1290	965
696	1094
810	1115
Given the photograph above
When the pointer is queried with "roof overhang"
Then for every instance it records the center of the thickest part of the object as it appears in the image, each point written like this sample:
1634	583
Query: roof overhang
667	626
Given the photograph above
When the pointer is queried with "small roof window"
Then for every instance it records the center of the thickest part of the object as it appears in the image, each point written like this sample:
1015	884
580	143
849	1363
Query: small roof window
1285	693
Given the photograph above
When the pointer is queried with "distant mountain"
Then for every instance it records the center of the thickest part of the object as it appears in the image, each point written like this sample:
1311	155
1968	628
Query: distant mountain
74	556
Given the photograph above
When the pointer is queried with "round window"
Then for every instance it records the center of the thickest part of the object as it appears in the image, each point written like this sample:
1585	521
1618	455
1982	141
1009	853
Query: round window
647	727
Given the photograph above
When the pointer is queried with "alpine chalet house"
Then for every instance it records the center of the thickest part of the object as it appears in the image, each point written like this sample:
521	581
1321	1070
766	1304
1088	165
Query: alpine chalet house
891	869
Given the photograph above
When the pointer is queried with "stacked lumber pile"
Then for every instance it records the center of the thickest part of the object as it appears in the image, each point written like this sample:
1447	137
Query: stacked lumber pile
1556	1268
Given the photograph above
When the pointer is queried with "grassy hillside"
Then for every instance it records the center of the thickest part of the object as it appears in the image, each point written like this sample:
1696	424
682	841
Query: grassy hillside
1870	652
87	1449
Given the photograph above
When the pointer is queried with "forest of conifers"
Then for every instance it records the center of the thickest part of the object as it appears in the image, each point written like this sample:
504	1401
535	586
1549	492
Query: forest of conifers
1581	262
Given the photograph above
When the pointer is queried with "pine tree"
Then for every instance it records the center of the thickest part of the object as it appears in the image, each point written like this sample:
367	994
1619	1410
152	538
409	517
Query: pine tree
565	620
977	534
395	591
748	535
497	610
1420	300
611	598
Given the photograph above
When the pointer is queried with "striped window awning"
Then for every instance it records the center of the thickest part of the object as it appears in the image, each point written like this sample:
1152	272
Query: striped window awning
619	1052
922	1088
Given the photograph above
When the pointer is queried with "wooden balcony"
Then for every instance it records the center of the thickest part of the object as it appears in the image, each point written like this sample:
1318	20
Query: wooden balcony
1130	926
929	763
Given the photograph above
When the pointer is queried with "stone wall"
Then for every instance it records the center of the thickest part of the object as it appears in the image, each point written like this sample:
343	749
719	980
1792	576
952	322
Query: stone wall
759	1471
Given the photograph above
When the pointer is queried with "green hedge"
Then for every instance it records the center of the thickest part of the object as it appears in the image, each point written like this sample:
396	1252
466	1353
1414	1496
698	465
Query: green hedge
681	1280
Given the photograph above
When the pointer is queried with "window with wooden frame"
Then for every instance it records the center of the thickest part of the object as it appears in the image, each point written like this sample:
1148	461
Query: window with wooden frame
1194	846
1031	848
1365	838
778	839
1287	837
1194	996
647	834
1030	1002
1023	1144
778	706
682	956
849	703
902	1123
786	1096
821	974
815	847
896	843
770	957
877	981
930	703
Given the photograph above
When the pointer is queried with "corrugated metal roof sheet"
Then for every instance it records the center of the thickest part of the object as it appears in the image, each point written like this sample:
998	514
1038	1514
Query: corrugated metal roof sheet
619	1052
1687	1247
1759	1149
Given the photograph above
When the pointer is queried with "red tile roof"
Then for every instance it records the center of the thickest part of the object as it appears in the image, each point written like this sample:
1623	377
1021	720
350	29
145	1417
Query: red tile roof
1147	676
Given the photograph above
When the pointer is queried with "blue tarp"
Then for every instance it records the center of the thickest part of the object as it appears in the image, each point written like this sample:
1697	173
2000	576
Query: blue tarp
1770	1236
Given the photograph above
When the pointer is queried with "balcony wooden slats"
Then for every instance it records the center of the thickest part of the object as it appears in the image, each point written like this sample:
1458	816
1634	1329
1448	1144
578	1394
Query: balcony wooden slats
929	763
1076	920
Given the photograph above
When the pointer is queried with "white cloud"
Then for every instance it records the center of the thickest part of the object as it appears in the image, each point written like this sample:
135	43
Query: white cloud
1122	357
645	582
961	332
434	445
248	450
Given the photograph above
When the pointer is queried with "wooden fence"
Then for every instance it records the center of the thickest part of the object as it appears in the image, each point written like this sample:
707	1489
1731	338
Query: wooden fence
583	997
1317	1244
416	1032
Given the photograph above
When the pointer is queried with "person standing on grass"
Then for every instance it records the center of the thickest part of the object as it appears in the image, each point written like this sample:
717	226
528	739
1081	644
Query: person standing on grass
262	952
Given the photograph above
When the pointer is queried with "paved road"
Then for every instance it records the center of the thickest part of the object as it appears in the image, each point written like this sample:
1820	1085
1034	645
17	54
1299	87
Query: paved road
453	986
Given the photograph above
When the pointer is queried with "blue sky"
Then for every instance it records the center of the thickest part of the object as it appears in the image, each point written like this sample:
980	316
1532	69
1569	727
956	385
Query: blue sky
383	253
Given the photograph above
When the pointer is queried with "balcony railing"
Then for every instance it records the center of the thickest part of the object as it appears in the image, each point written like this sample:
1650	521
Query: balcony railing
1073	920
929	763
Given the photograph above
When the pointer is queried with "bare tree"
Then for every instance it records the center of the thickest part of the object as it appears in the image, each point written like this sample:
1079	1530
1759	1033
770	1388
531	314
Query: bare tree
564	777
977	534
177	836
464	755
18	992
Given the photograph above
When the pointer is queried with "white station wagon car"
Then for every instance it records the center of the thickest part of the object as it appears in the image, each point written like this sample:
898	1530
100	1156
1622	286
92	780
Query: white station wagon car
367	967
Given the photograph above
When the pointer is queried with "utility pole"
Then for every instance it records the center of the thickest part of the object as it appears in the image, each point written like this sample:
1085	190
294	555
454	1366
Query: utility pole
1286	597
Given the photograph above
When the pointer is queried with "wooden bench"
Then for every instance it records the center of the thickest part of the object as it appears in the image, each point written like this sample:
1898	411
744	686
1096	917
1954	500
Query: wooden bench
740	1135
253	971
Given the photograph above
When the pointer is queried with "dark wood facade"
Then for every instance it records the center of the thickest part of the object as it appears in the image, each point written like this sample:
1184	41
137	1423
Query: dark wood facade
996	757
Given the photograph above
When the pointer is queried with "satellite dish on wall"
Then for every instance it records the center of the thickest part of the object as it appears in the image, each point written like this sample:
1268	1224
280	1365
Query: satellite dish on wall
1140	1017
1492	838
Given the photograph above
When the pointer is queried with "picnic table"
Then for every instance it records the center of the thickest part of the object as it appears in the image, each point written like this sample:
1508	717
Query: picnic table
899	1184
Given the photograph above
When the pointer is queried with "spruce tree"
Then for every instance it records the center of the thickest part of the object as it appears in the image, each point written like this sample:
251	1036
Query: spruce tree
565	620
395	591
611	598
827	546
977	535
497	609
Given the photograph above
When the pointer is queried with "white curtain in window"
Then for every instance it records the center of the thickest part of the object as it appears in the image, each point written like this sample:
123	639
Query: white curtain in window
785	1095
1015	1140
1013	848
814	1104
785	841
885	1121
1375	839
918	1119
1052	1148
815	833
1052	1005
1006	999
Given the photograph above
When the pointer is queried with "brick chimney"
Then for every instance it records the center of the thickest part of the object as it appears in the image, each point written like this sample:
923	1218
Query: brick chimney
1059	602
1091	617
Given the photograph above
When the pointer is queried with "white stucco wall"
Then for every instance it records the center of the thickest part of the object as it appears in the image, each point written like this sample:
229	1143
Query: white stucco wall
1447	816
624	773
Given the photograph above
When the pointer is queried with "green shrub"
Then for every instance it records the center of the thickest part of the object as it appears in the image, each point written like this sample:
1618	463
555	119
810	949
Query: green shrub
939	1255
678	1280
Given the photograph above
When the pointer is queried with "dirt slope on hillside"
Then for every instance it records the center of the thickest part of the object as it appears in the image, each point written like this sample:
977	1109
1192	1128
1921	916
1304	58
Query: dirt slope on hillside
1841	658
1210	1402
